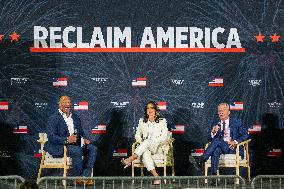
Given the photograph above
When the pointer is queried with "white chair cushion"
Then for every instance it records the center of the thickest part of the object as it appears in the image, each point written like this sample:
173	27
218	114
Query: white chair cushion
158	157
49	160
228	159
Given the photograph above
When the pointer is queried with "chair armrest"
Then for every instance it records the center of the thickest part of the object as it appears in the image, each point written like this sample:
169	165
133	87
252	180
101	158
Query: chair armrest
243	143
41	141
206	146
134	145
167	143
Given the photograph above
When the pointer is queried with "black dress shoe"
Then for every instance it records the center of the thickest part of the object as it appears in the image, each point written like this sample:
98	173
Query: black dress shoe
198	162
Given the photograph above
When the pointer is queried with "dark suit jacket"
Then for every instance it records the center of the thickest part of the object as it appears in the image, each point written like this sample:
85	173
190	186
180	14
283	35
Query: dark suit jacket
57	133
237	131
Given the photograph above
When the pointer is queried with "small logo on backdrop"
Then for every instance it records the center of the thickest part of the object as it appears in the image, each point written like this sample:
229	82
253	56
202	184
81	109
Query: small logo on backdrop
274	153
18	80
100	80
99	129
177	81
139	82
254	83
119	104
120	152
216	82
20	130
40	104
197	104
256	129
179	129
197	152
4	154
162	105
38	154
81	106
274	104
4	105
237	106
60	82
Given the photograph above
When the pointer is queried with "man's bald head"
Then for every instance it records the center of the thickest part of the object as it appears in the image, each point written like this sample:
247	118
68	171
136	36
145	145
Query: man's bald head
65	104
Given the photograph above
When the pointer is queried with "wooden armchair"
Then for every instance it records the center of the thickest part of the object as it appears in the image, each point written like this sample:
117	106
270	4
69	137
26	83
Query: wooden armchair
49	162
233	160
163	158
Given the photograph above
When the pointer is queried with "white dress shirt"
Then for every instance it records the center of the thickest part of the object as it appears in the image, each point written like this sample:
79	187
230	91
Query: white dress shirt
227	136
68	121
227	133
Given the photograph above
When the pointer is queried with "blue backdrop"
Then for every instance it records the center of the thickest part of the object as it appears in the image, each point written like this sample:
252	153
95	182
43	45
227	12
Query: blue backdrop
104	80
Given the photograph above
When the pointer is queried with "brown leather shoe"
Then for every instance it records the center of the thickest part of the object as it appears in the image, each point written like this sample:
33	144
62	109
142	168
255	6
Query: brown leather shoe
79	181
89	182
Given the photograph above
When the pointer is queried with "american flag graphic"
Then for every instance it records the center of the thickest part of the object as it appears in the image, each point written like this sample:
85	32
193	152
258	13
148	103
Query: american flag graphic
81	106
198	152
59	82
179	129
120	152
162	105
99	129
4	106
216	82
20	130
237	106
256	129
139	82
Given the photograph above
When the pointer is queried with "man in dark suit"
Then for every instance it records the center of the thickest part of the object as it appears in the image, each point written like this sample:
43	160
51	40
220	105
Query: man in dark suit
224	136
64	128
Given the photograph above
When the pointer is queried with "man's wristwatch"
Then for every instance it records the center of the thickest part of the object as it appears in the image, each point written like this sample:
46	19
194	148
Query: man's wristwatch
66	141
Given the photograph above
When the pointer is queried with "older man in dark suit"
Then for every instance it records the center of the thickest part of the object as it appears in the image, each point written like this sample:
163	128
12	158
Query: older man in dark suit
226	133
64	128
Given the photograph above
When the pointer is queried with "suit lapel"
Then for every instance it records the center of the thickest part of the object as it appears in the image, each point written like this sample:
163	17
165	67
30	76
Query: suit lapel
63	124
231	126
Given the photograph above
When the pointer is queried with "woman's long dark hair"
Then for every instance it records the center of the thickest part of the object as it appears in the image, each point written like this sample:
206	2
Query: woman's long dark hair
146	116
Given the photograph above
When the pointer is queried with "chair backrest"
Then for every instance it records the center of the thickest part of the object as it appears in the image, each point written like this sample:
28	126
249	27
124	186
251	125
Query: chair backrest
43	137
42	140
169	135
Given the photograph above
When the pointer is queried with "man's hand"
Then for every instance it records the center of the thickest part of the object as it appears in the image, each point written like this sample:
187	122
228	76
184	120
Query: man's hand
86	141
232	144
215	129
72	139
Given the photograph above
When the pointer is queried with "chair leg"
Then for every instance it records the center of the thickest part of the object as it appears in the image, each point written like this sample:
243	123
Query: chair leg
39	173
249	173
41	165
206	173
132	169
238	174
64	175
142	173
165	170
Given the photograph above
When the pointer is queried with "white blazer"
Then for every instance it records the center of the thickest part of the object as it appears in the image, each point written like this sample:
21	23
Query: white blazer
154	133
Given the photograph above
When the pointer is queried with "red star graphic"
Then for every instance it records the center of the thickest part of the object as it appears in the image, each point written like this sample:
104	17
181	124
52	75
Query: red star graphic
259	37
274	38
1	37
14	37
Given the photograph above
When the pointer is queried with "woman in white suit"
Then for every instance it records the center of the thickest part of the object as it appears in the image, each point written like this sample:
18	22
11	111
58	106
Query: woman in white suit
151	131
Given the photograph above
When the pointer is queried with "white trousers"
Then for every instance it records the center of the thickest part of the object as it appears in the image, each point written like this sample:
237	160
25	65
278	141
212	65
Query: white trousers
144	149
